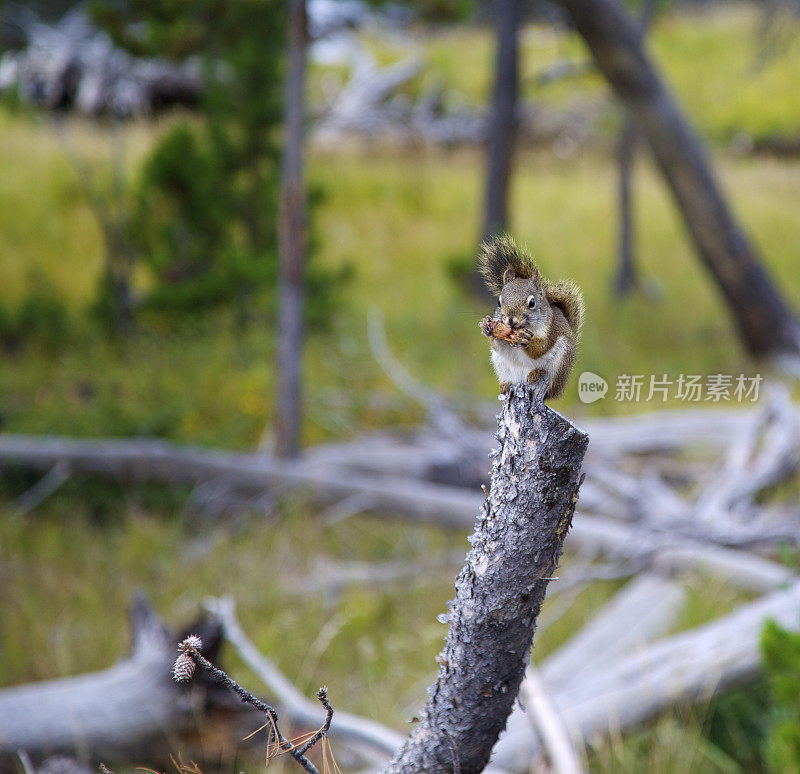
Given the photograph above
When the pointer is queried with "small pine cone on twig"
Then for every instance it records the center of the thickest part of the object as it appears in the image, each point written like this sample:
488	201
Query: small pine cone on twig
183	668
192	642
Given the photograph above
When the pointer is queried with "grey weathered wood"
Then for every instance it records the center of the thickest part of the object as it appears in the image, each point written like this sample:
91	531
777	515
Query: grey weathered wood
687	667
155	460
690	666
292	242
740	569
418	500
563	756
764	455
516	545
132	706
648	605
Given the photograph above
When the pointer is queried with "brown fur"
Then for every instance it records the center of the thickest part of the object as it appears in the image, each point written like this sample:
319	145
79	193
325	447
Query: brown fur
559	313
561	327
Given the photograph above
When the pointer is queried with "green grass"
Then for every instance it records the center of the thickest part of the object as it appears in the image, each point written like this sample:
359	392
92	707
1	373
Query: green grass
374	647
730	78
398	221
356	643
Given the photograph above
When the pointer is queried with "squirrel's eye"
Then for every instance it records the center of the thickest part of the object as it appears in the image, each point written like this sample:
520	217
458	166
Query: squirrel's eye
499	303
531	302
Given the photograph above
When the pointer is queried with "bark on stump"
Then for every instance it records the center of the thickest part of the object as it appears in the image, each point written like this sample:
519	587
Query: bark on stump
516	545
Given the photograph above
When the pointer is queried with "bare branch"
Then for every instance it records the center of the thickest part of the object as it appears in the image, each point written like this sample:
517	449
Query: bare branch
439	413
190	649
548	724
41	490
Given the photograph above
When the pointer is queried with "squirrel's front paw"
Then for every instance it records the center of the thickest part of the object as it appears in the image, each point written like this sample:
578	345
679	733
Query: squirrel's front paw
520	337
487	326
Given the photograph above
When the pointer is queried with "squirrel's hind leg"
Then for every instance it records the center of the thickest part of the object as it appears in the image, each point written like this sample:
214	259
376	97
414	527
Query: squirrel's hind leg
535	375
559	381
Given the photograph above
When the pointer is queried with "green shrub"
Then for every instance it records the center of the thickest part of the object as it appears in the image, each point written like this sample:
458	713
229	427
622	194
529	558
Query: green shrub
184	223
738	723
205	220
6	325
780	650
42	317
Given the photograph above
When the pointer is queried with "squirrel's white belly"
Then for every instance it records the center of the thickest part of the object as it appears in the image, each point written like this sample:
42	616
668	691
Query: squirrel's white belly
511	364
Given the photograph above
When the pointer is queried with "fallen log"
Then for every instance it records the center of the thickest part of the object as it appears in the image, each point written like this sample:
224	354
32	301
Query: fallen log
150	459
688	667
763	456
649	606
116	713
450	506
547	724
154	460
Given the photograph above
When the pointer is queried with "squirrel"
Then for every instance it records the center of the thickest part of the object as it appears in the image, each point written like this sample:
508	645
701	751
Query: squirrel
535	327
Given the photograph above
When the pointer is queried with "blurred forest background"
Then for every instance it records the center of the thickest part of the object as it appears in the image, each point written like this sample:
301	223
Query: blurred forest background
142	146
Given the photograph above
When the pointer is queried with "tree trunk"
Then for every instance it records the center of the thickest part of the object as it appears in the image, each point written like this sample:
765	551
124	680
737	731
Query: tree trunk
767	325
502	128
503	119
515	550
627	278
292	237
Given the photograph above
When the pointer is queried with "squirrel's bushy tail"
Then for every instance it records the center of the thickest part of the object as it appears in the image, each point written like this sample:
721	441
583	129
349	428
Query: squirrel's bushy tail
568	297
498	254
501	253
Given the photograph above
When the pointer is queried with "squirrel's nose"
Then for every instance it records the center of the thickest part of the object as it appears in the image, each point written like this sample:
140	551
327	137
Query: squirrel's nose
512	321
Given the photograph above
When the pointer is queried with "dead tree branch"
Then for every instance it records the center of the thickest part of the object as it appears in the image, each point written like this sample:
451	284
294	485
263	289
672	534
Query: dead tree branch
440	415
516	545
547	723
31	499
184	668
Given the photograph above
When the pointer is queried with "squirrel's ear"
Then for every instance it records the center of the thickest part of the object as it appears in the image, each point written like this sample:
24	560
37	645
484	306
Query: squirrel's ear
537	277
508	275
